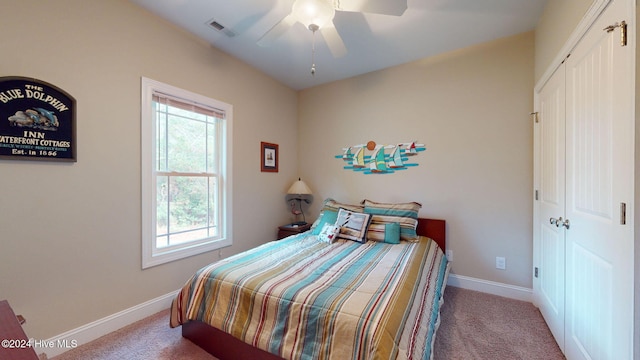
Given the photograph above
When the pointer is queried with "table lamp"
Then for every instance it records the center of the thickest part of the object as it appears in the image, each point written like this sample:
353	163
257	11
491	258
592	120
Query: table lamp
297	190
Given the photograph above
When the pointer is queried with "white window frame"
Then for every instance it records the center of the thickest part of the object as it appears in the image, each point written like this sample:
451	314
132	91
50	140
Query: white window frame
151	255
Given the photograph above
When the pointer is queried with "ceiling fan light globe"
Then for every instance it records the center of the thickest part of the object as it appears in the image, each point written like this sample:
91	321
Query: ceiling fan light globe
317	12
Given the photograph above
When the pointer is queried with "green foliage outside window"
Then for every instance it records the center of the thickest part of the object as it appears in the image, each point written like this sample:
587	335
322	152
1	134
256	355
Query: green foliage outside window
186	181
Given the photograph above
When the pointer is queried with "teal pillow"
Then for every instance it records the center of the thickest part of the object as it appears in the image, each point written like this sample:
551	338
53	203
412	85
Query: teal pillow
327	217
392	233
384	213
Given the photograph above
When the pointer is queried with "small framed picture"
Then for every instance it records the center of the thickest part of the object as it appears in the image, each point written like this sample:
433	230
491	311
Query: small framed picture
268	157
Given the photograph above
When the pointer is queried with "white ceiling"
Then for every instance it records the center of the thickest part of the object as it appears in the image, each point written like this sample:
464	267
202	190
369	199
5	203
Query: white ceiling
373	41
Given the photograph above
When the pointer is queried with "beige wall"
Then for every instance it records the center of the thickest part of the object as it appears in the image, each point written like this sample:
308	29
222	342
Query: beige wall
471	110
70	233
559	19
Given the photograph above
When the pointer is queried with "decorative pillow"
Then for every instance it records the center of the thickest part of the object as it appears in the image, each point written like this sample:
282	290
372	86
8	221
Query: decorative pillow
407	227
330	204
392	233
329	233
406	214
384	232
409	209
353	225
327	216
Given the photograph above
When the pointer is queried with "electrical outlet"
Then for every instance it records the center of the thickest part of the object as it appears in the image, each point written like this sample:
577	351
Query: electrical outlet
449	254
501	263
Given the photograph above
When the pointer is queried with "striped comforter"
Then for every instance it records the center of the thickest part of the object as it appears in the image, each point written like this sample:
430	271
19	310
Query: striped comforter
301	298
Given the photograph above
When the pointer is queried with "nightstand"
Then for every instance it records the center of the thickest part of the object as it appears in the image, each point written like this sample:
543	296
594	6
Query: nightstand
15	344
290	229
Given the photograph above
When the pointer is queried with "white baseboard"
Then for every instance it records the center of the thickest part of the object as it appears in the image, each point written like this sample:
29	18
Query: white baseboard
491	287
86	333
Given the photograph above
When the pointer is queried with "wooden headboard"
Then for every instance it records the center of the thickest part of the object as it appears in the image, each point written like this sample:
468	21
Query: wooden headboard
435	229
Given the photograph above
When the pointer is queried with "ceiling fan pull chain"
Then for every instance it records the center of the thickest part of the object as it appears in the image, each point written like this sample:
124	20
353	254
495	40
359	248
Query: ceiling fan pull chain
313	28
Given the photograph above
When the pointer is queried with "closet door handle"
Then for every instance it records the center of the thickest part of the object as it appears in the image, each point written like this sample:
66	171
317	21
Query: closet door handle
560	222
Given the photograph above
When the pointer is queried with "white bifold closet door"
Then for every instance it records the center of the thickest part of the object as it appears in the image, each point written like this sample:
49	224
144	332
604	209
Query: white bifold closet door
584	169
549	238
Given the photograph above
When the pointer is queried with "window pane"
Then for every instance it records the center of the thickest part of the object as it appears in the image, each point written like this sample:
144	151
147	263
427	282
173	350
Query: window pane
188	204
161	137
187	145
162	205
212	146
186	141
214	229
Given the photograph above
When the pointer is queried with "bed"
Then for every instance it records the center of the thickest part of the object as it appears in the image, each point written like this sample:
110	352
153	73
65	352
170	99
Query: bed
302	298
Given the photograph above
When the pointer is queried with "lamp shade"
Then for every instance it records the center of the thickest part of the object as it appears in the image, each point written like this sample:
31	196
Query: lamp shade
317	12
299	188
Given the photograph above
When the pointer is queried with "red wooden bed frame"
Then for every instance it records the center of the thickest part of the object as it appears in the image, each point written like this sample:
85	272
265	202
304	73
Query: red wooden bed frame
226	347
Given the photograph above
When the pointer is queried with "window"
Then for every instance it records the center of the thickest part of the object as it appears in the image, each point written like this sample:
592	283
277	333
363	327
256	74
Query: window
186	174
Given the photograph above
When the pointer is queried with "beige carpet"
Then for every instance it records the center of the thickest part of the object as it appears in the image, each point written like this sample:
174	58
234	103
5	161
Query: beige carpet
150	338
475	326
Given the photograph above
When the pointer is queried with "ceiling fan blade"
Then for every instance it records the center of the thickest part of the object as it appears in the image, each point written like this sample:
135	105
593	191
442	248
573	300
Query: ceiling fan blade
277	30
333	40
383	7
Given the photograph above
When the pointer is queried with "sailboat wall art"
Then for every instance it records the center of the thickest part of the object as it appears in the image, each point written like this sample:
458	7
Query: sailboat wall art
373	158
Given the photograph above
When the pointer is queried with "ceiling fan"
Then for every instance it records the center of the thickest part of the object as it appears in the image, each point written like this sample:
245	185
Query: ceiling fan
318	15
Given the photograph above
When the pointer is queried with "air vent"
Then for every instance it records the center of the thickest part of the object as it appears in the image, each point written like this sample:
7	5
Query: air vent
221	28
216	25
